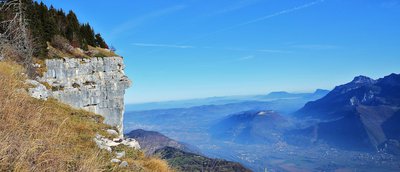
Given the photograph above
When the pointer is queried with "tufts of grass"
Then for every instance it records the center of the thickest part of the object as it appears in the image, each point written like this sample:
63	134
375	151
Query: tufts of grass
101	52
55	52
140	162
59	53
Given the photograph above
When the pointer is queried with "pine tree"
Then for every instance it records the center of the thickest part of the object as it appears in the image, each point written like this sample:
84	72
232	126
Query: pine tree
47	22
87	34
61	19
100	41
73	29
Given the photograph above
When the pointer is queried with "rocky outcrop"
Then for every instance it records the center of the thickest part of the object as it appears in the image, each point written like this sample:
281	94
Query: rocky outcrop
107	144
110	145
38	90
93	84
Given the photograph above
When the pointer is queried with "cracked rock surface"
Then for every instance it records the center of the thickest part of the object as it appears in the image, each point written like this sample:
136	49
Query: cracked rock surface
93	84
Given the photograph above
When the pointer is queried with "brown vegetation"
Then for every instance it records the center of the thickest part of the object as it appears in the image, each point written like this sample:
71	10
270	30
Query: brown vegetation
40	135
59	47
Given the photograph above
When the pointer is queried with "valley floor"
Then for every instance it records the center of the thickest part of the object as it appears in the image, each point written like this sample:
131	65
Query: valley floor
280	156
284	157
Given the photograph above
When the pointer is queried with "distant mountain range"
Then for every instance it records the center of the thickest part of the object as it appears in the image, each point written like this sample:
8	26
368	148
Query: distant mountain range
283	94
363	114
183	123
179	155
225	100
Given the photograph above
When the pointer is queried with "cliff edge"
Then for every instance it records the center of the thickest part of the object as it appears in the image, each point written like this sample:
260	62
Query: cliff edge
94	84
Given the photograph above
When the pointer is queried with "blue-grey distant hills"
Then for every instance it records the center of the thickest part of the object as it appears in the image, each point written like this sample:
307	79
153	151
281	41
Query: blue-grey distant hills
197	119
283	94
251	127
225	100
363	114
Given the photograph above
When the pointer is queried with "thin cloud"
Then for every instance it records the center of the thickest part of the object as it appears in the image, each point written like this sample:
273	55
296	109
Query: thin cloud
315	46
245	58
273	51
258	50
162	45
286	11
236	6
207	47
135	22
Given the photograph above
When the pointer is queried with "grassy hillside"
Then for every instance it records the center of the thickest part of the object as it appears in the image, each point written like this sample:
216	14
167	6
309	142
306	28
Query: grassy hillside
49	136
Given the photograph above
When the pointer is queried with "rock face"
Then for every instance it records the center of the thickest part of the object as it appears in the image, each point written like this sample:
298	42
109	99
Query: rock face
96	85
38	91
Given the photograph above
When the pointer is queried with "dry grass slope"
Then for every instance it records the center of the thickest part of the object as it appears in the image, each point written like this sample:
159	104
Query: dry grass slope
59	52
49	136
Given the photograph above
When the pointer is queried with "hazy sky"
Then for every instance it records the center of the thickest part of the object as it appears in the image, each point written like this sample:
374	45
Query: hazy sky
179	49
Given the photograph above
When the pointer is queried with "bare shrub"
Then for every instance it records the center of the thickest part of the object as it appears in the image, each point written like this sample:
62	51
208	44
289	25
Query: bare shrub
61	43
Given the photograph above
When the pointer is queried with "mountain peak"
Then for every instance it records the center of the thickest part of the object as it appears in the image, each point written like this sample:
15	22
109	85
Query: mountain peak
363	80
357	82
321	91
392	79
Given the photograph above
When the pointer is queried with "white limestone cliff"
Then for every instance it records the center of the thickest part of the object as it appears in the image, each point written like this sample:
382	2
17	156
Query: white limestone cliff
94	84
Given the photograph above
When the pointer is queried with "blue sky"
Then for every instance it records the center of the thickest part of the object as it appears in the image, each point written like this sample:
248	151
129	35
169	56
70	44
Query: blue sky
181	49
